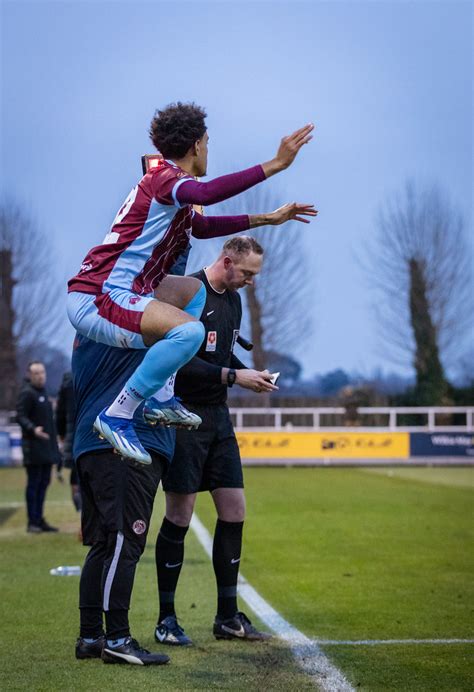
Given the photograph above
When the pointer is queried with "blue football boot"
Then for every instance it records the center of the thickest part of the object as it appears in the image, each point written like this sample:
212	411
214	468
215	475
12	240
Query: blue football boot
168	631
122	436
170	413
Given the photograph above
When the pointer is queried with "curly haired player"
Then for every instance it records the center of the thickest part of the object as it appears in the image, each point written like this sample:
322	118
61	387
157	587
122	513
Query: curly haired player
111	298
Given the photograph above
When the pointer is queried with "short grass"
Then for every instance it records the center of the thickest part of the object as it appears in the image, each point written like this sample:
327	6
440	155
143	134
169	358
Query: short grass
39	616
347	554
341	553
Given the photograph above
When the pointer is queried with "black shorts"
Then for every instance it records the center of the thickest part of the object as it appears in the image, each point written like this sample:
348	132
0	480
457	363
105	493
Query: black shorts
207	458
117	495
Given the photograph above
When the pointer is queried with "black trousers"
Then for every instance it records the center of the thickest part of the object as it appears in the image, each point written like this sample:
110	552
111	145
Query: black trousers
117	497
38	479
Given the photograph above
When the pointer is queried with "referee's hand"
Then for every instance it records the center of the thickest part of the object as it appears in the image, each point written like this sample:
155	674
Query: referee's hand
255	380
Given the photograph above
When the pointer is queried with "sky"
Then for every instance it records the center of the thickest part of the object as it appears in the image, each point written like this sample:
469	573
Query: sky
387	84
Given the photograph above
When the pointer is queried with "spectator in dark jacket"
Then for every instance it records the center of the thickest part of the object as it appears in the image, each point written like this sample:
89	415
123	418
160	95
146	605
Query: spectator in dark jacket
40	447
65	416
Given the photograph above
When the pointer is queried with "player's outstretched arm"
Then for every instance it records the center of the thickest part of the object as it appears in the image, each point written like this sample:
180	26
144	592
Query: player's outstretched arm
219	189
190	191
293	211
218	226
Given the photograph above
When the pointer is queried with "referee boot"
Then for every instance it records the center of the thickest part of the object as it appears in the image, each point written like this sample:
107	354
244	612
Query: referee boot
131	652
90	649
169	632
238	627
34	528
47	528
120	433
170	413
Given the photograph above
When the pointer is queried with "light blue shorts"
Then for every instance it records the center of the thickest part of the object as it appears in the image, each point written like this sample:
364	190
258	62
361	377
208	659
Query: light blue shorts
111	318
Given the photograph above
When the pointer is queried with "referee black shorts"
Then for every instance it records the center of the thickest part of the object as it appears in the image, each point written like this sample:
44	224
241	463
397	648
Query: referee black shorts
117	495
207	458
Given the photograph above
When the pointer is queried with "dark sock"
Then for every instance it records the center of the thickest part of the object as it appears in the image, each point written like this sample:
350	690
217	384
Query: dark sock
169	555
226	551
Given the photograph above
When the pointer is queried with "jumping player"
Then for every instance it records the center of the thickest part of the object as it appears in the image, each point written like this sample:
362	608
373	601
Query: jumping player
111	298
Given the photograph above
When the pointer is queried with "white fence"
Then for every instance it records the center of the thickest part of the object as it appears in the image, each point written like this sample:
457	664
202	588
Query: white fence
453	446
383	419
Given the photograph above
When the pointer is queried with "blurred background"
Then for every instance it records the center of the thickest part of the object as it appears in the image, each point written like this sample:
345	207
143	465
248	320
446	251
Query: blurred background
373	300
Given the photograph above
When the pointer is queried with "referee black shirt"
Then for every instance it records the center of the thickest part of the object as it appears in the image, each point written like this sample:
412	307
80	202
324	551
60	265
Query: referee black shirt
200	380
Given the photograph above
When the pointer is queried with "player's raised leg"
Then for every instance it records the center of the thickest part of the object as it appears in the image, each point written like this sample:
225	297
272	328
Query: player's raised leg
188	294
172	337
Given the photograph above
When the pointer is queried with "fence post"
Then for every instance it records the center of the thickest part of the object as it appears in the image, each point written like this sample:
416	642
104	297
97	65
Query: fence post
469	420
240	418
431	419
277	422
392	420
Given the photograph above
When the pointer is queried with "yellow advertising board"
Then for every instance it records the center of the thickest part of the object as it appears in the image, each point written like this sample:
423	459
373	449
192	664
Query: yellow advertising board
336	445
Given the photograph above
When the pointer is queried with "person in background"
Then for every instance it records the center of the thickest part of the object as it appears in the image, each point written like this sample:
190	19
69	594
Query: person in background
39	444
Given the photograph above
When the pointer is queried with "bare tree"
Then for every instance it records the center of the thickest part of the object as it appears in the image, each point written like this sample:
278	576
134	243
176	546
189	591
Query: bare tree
7	341
31	297
285	289
420	269
278	308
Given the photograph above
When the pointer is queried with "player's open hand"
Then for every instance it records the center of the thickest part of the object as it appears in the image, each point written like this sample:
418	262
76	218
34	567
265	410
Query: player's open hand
290	146
255	380
288	149
293	211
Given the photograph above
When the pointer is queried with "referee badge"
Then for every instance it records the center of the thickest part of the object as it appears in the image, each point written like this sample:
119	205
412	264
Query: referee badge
211	341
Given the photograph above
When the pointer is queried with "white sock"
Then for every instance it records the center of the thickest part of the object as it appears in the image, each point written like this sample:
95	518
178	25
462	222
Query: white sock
124	405
167	390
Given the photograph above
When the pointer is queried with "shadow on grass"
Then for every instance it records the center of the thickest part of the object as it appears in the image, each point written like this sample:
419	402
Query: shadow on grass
6	513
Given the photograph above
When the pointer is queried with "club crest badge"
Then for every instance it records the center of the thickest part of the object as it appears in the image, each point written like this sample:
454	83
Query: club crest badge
139	527
211	341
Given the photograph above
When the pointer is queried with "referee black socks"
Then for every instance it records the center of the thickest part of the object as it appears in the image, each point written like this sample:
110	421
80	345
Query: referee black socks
169	555
226	551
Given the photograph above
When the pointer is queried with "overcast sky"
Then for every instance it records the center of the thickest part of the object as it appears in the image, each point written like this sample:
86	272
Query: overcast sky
388	85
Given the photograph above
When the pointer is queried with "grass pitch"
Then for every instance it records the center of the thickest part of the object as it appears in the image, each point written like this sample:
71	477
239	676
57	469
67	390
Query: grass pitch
343	554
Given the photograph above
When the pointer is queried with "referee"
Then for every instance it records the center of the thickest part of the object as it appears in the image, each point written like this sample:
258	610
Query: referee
209	459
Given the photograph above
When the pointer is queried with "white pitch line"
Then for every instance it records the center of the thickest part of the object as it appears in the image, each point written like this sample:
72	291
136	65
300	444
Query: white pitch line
305	650
380	642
